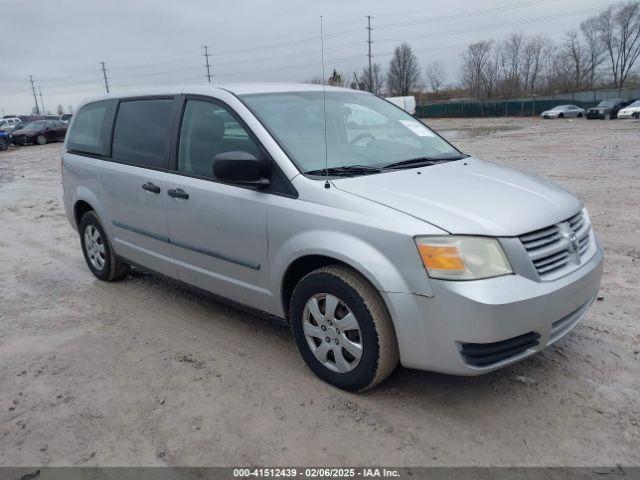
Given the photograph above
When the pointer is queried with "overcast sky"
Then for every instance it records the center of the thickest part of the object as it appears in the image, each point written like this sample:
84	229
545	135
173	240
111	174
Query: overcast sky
152	42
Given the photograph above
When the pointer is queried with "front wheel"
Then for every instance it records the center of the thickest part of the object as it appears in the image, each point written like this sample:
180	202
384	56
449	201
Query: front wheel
41	139
607	116
342	329
4	144
97	250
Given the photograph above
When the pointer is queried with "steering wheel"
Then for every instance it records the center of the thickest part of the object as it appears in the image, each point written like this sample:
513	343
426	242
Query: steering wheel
361	136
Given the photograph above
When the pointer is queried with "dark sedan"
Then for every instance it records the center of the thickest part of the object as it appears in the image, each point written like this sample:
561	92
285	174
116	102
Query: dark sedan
40	132
606	109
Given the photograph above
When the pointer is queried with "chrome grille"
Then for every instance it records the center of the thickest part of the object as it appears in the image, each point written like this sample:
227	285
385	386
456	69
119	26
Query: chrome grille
560	248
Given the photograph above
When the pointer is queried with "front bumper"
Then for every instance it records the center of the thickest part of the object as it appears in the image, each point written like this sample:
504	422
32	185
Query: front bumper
433	331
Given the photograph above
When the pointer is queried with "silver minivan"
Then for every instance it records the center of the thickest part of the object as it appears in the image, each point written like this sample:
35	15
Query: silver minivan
373	237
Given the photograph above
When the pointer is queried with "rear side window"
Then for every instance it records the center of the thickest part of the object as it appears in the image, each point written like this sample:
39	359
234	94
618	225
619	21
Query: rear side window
90	132
141	132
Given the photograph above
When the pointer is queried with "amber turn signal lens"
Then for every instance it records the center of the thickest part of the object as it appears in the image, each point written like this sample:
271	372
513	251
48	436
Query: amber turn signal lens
441	257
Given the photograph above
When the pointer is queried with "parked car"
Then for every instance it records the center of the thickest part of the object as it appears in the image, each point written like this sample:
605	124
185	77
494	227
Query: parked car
630	110
66	118
40	132
379	242
8	122
564	111
4	140
606	109
10	127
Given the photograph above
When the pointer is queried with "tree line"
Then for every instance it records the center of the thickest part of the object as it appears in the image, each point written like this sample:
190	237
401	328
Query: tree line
600	52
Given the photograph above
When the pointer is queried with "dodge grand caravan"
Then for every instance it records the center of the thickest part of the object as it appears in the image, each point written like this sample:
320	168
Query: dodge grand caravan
373	237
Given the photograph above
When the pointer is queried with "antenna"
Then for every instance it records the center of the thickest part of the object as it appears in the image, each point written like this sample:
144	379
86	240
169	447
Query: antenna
324	110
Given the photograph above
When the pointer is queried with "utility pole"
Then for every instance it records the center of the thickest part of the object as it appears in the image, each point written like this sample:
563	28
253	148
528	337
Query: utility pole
35	98
369	17
206	55
104	75
41	101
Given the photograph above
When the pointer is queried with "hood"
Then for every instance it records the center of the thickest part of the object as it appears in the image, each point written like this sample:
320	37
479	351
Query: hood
468	196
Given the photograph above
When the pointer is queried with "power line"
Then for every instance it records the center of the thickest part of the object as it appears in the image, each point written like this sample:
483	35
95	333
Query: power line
33	89
206	55
104	75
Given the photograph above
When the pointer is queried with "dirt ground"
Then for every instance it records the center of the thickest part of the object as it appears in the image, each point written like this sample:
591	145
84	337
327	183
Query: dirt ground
141	372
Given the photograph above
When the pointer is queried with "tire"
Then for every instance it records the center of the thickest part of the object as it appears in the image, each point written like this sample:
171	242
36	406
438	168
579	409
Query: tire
41	139
607	116
579	115
357	301
561	115
4	144
97	250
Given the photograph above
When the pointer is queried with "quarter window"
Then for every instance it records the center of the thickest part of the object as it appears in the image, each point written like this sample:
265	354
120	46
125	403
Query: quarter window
141	132
88	134
207	130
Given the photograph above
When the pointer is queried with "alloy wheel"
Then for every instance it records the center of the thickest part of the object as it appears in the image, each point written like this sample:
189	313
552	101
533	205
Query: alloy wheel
332	332
41	139
94	246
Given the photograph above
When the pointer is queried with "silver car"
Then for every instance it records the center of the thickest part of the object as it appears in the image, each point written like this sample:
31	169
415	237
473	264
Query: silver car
375	239
564	111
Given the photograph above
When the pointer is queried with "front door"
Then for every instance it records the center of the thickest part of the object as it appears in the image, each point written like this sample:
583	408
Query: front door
218	231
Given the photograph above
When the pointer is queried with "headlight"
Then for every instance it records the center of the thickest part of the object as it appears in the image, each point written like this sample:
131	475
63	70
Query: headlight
462	258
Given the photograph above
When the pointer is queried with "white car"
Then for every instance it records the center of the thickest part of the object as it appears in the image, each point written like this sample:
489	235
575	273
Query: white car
630	111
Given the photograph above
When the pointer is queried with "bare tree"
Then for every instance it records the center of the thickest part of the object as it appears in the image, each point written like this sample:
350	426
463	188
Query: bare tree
377	78
577	58
595	49
511	50
474	67
533	62
404	73
60	109
619	30
436	75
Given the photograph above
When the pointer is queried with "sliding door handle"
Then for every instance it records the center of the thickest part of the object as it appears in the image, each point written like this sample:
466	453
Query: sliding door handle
178	193
150	187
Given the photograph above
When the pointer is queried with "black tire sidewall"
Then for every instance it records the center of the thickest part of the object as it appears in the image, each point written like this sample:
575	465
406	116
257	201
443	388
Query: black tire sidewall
323	282
90	218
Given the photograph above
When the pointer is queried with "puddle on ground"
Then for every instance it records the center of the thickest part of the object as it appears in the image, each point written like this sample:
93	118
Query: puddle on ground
472	132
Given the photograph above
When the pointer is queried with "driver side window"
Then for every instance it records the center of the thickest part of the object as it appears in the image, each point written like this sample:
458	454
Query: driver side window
207	130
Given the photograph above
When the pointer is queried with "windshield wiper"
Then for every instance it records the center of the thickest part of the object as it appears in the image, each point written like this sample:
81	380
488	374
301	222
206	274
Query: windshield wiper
345	170
421	161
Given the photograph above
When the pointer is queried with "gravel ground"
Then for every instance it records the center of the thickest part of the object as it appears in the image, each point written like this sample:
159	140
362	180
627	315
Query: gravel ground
141	372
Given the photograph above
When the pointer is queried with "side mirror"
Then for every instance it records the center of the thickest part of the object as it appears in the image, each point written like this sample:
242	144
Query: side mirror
241	168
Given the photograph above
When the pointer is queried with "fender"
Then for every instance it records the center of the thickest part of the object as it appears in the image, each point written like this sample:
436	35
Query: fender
353	251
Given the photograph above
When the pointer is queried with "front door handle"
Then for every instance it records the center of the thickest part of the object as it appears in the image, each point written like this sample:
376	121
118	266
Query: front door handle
150	187
178	193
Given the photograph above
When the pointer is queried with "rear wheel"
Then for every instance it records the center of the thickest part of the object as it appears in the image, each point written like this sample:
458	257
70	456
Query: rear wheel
41	139
342	329
579	115
4	144
561	115
97	250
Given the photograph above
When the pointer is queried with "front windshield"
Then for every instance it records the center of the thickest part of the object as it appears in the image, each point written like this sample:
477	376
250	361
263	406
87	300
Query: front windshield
362	130
560	107
607	103
635	104
35	125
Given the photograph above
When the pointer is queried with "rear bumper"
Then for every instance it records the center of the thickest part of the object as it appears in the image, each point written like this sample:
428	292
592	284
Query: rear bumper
466	327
